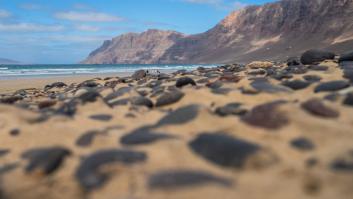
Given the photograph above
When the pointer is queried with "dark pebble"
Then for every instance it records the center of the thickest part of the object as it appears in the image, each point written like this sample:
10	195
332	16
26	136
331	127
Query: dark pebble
10	99
230	78
175	179
221	91
223	150
296	84
318	108
266	116
348	101
139	74
302	144
86	139
346	57
89	84
89	96
143	135
315	56
214	85
55	85
88	173
312	78
293	61
46	160
120	102
67	109
101	117
15	132
332	86
230	109
4	152
296	69
142	101
180	116
183	81
120	92
343	164
318	68
262	84
169	98
46	104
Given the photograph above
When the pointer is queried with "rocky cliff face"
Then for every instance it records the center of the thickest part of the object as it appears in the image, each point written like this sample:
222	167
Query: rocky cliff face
273	31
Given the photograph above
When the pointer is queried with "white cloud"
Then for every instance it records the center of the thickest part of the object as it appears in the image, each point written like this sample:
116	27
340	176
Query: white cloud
87	28
30	27
87	16
4	14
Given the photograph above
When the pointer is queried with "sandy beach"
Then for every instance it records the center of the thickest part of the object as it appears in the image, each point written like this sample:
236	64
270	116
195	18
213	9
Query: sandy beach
263	130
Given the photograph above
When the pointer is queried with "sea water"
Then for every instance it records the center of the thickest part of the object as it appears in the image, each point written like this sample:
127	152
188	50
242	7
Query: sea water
18	71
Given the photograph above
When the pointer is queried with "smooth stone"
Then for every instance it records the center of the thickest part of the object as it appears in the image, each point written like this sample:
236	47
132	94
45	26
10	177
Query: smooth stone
230	109
312	78
180	116
142	101
45	160
55	85
120	92
214	85
139	74
89	96
15	132
296	69
221	91
10	99
314	56
262	84
4	152
346	57
88	173
168	98
318	68
5	168
86	139
296	84
223	150
318	108
101	117
68	109
343	164
302	144
183	81
143	135
120	102
266	116
331	86
230	78
293	61
175	179
89	84
348	101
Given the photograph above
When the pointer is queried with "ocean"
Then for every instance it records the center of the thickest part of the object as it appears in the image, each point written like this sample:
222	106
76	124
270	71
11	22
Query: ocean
28	71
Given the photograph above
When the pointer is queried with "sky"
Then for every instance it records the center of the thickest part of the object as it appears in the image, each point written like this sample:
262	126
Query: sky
66	31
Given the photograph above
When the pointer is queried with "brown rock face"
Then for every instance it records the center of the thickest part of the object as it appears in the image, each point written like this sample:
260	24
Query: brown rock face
273	31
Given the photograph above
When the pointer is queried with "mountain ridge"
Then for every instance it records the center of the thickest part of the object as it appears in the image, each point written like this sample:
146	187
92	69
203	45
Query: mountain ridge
272	31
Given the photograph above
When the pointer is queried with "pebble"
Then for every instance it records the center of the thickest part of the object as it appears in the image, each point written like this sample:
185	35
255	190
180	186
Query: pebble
302	144
262	84
86	139
331	86
318	108
223	150
89	96
10	99
266	116
139	74
168	98
180	116
348	101
55	85
45	160
88	173
46	104
15	132
101	117
176	179
312	78
4	152
183	81
230	109
296	84
293	61
314	56
346	57
142	101
143	135
318	68
120	92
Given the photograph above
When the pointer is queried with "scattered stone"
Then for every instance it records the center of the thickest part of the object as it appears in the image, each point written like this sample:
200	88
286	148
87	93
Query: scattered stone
88	173
266	116
45	160
221	91
346	57
143	135
259	64
86	139
312	78
296	69
223	150
68	109
121	102
183	81
230	78
332	86
89	96
318	108
88	84
315	56
318	68
180	116
293	61
344	164
175	179
262	84
101	117
169	98
139	74
55	85
120	92
10	99
4	152
230	109
302	144
15	132
142	101
348	101
296	84
214	85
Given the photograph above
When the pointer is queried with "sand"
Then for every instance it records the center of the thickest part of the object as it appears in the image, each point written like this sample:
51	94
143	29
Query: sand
198	153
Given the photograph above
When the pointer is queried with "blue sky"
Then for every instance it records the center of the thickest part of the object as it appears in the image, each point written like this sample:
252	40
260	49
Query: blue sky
65	31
